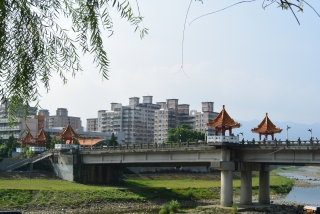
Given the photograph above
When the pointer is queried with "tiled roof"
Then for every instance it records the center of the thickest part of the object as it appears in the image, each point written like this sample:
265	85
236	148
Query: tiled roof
28	138
67	132
266	126
41	136
89	142
223	120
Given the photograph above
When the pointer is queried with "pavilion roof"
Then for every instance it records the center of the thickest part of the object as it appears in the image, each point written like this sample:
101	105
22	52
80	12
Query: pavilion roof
89	142
67	132
28	138
41	136
266	126
223	120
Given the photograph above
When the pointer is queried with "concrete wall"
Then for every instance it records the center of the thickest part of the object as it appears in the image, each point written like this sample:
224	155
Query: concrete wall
63	167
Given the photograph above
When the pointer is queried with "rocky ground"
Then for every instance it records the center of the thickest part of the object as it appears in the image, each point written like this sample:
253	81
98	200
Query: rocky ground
153	206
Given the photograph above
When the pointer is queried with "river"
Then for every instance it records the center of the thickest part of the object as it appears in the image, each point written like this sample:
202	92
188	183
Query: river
307	186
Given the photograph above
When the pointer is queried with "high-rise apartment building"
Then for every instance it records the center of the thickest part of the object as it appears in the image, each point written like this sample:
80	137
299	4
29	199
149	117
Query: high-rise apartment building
20	125
61	119
136	120
172	115
92	125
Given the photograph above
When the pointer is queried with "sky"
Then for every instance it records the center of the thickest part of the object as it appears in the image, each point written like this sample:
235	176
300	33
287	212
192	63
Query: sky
250	59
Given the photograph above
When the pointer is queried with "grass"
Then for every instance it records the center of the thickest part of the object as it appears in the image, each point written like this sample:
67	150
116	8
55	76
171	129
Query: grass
29	192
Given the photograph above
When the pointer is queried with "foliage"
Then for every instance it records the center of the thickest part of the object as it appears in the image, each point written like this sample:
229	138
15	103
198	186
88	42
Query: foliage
7	147
48	141
50	145
3	150
184	133
234	208
34	46
171	207
27	153
113	141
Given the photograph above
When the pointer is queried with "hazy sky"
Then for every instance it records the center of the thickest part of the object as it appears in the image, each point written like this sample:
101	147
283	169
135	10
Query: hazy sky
250	59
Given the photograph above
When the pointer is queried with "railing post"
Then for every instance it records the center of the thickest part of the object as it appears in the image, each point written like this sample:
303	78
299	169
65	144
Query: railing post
140	145
171	144
187	143
127	146
148	145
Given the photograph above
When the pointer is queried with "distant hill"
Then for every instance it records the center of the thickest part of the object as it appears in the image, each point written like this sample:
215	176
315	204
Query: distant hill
297	130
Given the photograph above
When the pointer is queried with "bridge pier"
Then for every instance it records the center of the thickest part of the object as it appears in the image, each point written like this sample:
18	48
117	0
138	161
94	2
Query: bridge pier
226	195
264	187
246	187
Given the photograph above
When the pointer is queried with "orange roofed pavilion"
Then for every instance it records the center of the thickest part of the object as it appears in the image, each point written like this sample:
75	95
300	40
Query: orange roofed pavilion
266	128
26	140
41	138
223	122
67	135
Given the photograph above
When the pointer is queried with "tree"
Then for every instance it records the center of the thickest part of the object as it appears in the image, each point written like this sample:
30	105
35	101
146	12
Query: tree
184	133
113	141
11	145
34	46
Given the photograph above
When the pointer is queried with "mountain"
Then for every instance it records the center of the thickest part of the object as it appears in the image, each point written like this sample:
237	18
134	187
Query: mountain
297	130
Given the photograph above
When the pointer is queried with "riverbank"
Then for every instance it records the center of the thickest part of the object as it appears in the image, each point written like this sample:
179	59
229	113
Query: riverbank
40	193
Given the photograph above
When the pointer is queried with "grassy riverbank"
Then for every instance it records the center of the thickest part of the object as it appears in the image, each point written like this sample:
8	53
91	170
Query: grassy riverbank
57	193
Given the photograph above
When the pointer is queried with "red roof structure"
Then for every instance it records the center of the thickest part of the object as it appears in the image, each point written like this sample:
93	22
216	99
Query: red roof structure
223	122
40	138
266	127
67	135
26	140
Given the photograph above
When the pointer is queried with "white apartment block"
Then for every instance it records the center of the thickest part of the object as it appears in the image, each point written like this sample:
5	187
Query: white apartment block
172	115
136	120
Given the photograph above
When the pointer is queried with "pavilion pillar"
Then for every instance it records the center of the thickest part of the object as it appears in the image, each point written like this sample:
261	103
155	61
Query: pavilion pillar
264	187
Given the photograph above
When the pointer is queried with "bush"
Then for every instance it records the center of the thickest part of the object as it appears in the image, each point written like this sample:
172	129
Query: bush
234	208
190	193
174	206
167	208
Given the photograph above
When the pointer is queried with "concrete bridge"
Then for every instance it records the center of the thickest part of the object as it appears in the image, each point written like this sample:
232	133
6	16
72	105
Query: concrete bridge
105	164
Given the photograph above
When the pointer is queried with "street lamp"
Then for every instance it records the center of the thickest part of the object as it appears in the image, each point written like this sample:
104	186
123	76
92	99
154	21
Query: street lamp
242	135
288	127
310	130
206	134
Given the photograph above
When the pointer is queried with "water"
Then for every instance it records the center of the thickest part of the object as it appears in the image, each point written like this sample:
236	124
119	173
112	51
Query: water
303	195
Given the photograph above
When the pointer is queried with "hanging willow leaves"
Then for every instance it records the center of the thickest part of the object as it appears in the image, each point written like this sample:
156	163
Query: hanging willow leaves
34	46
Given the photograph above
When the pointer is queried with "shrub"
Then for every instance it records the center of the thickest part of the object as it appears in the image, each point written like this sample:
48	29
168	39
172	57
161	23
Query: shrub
174	206
190	193
165	209
234	208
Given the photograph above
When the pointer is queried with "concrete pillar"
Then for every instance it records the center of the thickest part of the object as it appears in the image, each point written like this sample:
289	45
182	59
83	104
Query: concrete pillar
93	173
246	187
100	174
30	167
264	187
109	174
226	195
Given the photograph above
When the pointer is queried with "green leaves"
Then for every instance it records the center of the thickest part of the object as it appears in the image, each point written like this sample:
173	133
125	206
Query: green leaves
34	46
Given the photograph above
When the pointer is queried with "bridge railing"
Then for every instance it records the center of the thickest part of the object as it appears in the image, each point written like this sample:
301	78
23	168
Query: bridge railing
146	146
282	143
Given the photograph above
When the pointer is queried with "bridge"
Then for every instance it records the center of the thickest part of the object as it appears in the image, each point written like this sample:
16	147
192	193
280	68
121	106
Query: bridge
226	155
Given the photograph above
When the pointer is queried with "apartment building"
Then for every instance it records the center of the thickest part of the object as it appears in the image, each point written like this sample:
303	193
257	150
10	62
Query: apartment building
172	115
20	125
92	125
61	119
136	120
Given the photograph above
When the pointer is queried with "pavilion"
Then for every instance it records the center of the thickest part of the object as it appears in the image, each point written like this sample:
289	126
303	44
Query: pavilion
266	127
223	122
